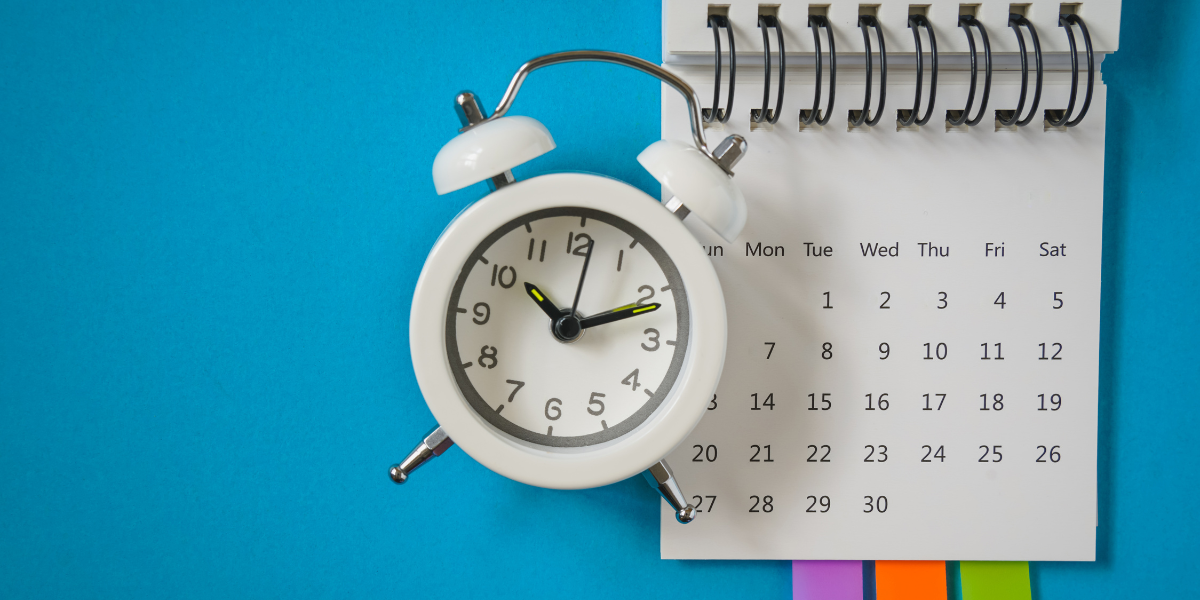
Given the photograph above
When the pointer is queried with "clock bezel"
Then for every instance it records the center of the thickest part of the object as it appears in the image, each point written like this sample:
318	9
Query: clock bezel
679	352
583	466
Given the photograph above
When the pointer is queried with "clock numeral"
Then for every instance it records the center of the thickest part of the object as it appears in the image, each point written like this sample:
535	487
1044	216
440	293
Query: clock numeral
519	384
580	248
642	301
631	380
498	276
487	357
594	402
554	403
653	333
541	255
876	453
705	453
483	313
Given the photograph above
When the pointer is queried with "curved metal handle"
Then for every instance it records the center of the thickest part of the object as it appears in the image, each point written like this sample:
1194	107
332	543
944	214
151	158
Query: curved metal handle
616	58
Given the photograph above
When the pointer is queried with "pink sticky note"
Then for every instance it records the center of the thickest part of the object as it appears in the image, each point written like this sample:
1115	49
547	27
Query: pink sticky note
827	580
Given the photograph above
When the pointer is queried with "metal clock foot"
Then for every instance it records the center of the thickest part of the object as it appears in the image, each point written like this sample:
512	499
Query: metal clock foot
434	444
660	477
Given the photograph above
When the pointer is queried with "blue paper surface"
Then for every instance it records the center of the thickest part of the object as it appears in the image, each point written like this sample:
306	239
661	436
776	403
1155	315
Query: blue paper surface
212	217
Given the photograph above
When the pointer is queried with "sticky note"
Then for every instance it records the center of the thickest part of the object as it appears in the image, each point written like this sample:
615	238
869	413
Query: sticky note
868	580
995	580
827	580
910	580
953	581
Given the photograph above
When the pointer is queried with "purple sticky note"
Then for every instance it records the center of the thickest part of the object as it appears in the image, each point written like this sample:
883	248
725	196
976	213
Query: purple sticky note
827	580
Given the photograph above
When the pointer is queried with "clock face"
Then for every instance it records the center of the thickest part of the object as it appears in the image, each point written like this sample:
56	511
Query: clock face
537	371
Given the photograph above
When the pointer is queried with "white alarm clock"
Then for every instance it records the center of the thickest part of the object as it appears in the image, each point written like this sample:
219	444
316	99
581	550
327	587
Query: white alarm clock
568	331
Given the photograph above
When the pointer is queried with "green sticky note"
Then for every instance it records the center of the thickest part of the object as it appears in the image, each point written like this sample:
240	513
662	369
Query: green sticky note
995	580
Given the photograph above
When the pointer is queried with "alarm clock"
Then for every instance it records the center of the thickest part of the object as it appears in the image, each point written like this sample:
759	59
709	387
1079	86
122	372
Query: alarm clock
568	331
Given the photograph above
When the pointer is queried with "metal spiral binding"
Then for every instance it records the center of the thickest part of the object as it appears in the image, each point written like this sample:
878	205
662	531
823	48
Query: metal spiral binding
808	117
858	118
909	117
1024	113
716	22
765	114
957	118
1062	118
1008	118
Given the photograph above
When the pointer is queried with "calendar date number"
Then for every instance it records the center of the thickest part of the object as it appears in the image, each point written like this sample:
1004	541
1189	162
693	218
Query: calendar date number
698	502
761	504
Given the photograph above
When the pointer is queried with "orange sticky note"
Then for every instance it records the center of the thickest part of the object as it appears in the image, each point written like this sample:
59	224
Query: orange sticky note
910	580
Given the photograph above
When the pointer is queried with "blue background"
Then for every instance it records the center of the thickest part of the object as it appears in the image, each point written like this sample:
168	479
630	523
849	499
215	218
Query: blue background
212	217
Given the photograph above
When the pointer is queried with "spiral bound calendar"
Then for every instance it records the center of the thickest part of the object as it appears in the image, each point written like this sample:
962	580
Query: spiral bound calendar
914	303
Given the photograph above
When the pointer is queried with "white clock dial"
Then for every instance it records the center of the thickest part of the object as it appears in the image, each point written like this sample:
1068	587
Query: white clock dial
550	389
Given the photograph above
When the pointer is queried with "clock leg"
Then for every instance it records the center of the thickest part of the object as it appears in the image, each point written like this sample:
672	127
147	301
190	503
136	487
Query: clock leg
434	444
660	477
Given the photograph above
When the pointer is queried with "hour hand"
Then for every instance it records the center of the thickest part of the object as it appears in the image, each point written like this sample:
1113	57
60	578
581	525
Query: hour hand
542	301
616	314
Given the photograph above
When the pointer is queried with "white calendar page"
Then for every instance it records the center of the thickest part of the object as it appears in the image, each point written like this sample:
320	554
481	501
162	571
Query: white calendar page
980	245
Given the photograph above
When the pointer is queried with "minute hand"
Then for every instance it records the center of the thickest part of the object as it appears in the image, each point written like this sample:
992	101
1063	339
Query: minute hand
616	314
